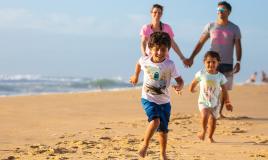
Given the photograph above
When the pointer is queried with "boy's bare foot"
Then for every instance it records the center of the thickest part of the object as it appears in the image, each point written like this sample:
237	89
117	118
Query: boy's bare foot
164	157
143	150
201	136
211	140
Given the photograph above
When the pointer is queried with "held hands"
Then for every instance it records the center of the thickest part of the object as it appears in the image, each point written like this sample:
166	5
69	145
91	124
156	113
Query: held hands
188	62
133	80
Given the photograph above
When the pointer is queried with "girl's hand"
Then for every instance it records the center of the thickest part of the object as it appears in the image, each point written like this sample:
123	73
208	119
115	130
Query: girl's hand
229	106
177	89
133	80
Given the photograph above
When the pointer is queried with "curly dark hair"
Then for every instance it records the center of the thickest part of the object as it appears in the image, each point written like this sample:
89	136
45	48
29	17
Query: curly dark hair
159	38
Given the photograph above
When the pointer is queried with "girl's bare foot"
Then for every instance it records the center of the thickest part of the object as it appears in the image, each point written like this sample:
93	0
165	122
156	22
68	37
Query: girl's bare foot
211	140
201	136
143	150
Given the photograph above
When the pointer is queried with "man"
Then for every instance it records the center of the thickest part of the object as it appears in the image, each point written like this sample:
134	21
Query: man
224	36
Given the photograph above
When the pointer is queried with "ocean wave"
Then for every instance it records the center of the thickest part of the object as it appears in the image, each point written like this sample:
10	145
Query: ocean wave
38	84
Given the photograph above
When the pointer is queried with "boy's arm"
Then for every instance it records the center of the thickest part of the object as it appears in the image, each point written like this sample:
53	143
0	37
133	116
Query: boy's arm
226	99
193	86
135	77
178	87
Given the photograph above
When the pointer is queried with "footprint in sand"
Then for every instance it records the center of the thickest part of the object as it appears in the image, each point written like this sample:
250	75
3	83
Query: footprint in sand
238	130
263	142
10	158
131	149
105	138
133	141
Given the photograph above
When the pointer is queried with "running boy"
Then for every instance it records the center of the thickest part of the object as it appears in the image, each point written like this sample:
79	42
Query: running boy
158	71
211	83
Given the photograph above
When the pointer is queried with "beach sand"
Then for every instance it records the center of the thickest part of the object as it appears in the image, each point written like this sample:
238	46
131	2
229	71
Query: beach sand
111	124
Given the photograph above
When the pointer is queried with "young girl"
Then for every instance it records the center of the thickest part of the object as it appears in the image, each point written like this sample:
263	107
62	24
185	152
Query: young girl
211	84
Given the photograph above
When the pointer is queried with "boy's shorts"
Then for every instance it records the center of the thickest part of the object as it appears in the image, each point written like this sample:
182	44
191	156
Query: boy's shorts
154	111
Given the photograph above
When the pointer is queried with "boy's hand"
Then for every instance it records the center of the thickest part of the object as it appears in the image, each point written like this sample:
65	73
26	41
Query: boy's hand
177	89
229	106
133	80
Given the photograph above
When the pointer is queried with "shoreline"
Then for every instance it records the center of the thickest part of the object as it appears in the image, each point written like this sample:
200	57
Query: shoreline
110	90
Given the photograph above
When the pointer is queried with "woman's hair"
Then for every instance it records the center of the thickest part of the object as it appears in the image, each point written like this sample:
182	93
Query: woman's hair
159	38
158	6
212	54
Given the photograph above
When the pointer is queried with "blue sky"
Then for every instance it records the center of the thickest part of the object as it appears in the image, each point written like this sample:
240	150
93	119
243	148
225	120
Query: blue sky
100	39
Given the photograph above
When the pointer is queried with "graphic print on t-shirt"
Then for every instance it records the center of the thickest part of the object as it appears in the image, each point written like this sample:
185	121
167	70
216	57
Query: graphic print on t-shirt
221	36
209	89
156	83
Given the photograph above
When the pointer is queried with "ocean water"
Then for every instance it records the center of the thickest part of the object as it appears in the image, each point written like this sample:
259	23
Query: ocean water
13	85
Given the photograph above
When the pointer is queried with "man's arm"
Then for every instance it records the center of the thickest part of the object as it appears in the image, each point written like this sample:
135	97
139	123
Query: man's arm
238	49
197	49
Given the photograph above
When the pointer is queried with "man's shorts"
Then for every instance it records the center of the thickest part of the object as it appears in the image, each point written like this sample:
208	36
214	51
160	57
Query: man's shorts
154	111
227	70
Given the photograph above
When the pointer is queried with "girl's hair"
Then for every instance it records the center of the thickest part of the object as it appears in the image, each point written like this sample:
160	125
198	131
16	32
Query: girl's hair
158	6
159	38
212	54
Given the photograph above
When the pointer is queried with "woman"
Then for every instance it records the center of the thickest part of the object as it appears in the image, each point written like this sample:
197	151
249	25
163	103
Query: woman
157	26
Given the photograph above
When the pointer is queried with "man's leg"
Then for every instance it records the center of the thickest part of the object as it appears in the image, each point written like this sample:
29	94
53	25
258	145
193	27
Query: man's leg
229	85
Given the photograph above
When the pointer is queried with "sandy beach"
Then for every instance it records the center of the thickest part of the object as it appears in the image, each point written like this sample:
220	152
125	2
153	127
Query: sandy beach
110	125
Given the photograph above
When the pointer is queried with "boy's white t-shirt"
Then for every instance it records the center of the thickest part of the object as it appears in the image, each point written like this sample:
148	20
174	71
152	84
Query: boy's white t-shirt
210	87
157	77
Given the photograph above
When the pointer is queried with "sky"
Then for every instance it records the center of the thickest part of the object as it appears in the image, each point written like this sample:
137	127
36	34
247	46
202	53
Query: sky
100	38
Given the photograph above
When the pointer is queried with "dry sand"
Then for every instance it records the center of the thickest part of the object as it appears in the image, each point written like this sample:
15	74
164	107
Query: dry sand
110	125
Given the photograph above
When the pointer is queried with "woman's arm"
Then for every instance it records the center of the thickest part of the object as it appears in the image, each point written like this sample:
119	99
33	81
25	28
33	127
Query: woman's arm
176	48
144	41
